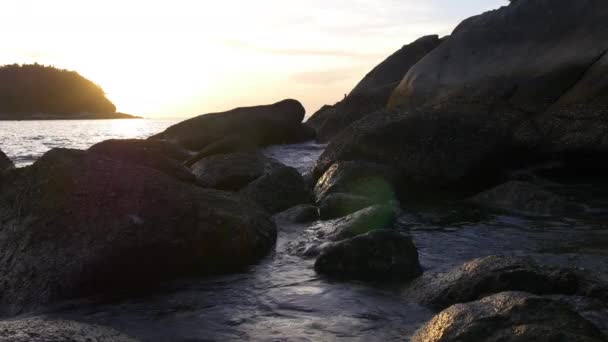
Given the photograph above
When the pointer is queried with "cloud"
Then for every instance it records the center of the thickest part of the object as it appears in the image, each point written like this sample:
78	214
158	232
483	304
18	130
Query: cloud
298	51
327	77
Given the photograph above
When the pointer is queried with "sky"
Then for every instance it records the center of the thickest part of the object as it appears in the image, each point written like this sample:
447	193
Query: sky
180	58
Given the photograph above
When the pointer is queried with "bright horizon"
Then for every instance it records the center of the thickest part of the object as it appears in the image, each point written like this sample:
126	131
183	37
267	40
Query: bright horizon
185	58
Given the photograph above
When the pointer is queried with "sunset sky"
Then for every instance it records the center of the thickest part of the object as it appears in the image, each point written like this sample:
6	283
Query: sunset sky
182	58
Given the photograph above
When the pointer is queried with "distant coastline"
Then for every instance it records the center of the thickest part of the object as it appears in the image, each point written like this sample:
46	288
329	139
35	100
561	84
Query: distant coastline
39	92
53	116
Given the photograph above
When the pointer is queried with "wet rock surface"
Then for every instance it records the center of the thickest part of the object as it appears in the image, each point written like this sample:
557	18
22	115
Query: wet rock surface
377	255
485	276
46	330
509	316
312	241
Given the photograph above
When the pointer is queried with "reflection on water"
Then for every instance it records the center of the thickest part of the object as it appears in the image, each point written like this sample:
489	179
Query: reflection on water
25	141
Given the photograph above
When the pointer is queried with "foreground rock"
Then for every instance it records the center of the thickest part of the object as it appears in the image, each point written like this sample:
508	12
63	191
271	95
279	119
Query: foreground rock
5	162
255	126
373	92
526	198
500	92
278	190
233	171
316	238
509	316
272	185
482	277
159	155
45	330
77	223
377	255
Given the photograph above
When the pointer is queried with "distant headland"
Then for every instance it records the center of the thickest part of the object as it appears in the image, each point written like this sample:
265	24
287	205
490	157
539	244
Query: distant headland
39	92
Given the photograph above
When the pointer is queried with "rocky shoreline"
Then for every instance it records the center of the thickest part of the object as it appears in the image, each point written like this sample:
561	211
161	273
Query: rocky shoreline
493	118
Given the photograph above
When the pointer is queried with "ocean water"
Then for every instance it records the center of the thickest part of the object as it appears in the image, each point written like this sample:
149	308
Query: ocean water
25	141
282	298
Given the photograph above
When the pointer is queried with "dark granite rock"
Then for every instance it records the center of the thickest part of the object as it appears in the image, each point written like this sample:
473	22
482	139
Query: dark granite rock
373	91
526	198
77	223
257	126
506	317
46	330
482	277
159	155
377	255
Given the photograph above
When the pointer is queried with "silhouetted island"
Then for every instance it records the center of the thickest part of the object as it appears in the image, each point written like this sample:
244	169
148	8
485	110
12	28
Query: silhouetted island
39	92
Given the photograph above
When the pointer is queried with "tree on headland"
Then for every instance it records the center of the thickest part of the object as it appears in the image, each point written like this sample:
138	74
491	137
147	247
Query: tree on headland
35	88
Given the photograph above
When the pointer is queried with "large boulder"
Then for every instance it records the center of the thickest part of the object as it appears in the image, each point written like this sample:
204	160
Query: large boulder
159	155
373	91
77	223
544	59
278	190
5	162
509	317
45	330
430	153
514	86
255	126
233	171
526	198
485	276
377	255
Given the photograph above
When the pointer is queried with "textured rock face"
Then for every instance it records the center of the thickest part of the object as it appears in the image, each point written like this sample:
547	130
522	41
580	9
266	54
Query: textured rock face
272	185
482	277
255	126
518	85
5	162
373	91
44	330
159	155
430	152
278	190
232	171
506	317
546	59
377	255
77	223
526	198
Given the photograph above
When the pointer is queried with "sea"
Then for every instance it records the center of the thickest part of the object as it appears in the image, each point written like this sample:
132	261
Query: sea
281	298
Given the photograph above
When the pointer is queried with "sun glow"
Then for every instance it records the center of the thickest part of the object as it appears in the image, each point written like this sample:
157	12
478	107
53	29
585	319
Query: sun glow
186	57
